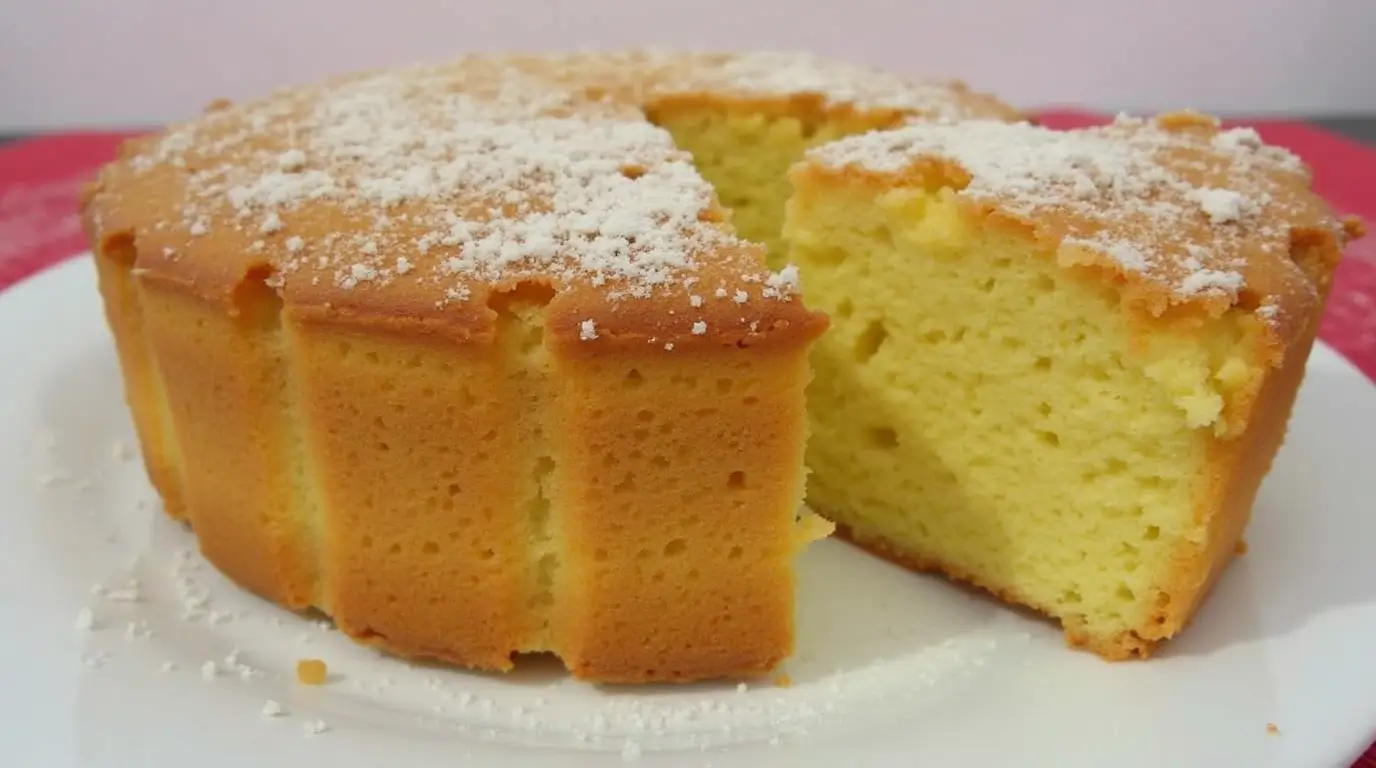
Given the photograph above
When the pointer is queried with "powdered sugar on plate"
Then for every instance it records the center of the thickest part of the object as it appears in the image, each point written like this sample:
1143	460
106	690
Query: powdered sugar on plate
253	658
541	706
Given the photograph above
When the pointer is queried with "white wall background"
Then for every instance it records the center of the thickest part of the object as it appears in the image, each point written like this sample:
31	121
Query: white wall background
126	62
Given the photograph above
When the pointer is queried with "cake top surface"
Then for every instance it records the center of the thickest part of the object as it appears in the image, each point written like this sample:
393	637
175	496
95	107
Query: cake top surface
774	74
428	187
1185	212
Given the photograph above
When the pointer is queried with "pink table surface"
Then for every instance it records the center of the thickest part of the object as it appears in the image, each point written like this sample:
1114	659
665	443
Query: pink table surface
40	179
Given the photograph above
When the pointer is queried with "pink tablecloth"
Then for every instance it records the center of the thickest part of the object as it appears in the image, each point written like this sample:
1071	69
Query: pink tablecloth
40	179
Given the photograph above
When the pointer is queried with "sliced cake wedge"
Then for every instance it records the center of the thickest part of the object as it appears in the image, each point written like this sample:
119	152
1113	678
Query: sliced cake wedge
1060	362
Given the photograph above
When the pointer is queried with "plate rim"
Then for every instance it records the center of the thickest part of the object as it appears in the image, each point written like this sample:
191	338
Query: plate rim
1328	357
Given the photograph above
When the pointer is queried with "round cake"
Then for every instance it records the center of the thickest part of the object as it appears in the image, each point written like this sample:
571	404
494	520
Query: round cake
494	357
528	354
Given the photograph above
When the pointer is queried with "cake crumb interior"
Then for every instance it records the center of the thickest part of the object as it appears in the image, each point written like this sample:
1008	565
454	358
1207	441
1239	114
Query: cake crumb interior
987	413
745	152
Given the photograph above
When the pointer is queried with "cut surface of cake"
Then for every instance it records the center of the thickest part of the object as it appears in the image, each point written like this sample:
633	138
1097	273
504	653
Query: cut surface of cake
1059	363
472	359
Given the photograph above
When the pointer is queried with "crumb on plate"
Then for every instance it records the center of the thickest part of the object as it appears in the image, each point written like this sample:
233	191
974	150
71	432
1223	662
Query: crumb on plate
311	671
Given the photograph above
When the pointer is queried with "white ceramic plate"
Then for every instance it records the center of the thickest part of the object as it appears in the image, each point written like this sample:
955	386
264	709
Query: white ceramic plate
892	668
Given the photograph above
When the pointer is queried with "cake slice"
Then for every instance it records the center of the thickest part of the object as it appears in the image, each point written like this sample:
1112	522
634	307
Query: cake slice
1060	363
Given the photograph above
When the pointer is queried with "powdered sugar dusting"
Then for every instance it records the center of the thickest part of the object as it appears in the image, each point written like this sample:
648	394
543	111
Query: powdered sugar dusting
1128	256
464	173
1222	205
1205	280
1172	201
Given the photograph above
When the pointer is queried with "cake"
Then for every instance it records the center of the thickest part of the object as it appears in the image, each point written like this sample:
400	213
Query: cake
472	359
1060	363
511	355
